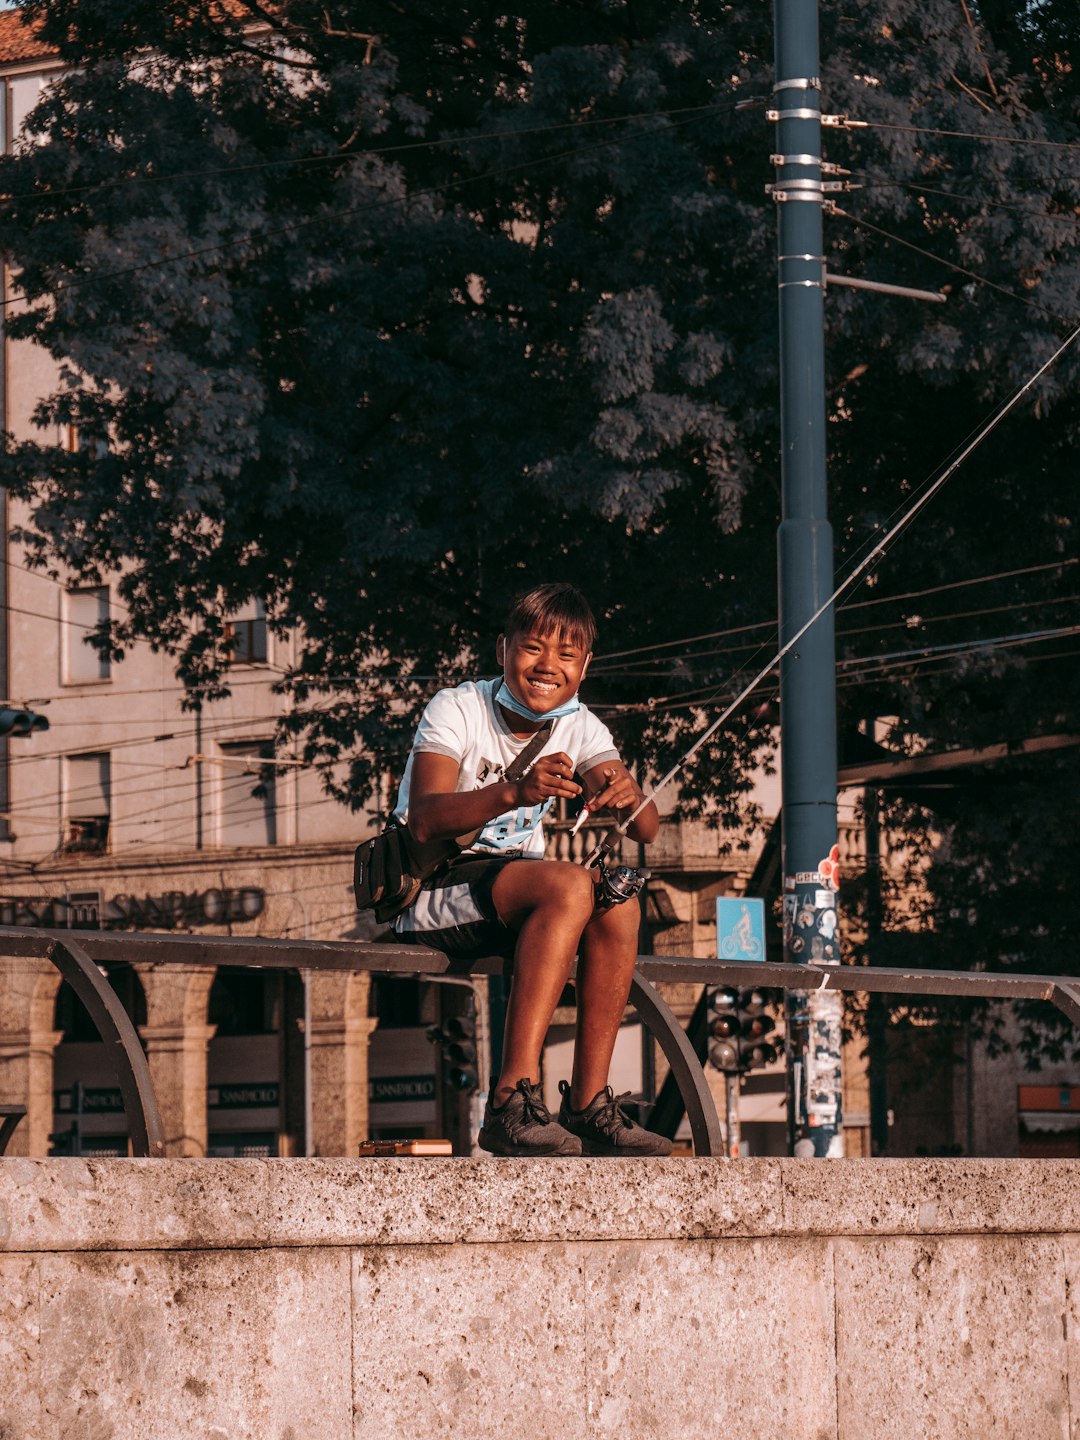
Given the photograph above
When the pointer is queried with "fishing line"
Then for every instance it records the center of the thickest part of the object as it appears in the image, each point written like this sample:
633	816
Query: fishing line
608	843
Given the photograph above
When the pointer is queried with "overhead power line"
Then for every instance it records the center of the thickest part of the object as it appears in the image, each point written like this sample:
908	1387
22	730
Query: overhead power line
858	672
872	182
687	660
925	494
343	157
950	264
600	664
844	122
260	237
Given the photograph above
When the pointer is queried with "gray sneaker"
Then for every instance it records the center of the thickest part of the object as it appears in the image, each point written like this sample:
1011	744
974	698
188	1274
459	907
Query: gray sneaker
523	1126
604	1127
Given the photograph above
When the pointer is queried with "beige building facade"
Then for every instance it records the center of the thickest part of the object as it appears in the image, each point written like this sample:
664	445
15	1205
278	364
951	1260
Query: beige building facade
133	812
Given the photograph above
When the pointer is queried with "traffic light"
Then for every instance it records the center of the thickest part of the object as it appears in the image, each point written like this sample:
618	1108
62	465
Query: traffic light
460	1052
20	722
456	1038
724	1029
738	1030
754	1026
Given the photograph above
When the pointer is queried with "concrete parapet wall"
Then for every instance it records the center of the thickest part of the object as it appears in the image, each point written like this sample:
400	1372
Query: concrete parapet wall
334	1299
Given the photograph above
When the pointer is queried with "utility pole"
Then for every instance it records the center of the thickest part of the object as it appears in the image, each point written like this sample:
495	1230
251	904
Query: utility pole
805	570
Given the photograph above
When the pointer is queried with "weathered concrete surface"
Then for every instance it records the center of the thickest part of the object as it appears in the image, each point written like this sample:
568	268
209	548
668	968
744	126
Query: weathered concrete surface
370	1300
994	1307
183	1343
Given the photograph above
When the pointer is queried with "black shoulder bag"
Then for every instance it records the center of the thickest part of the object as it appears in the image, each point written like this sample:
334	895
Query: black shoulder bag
389	869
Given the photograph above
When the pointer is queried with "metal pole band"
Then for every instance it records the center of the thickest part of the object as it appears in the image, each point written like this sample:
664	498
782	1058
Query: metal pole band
813	83
802	114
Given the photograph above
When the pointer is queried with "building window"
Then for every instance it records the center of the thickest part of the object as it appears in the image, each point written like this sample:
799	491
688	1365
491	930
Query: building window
245	1001
84	611
86	803
72	1017
248	803
246	633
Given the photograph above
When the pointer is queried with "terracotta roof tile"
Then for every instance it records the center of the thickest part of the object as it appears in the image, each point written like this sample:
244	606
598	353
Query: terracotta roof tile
18	41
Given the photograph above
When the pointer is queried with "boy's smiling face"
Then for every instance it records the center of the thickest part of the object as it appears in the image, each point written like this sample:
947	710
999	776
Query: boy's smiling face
543	671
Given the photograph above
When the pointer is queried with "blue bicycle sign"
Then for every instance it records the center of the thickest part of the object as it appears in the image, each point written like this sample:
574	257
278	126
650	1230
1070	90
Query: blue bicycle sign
740	928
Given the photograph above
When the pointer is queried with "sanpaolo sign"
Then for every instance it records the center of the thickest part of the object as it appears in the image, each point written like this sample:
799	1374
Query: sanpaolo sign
91	910
394	1089
264	1095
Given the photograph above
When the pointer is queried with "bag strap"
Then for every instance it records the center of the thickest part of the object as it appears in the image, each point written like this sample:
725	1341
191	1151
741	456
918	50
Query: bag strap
427	858
513	772
521	762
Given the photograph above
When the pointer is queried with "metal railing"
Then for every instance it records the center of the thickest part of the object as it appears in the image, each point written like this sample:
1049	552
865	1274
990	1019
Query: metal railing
79	954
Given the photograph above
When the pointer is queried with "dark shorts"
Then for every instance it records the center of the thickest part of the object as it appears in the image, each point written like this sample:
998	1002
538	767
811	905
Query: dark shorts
455	913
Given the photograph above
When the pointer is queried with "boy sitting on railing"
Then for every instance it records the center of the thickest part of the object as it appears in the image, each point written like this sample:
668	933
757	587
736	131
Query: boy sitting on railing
500	896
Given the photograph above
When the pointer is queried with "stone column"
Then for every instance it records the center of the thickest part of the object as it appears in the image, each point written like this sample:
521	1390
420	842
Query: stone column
338	1027
27	1041
176	1036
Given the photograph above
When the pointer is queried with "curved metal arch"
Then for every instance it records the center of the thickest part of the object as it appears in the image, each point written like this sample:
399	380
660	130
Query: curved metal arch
121	1042
660	1021
10	1115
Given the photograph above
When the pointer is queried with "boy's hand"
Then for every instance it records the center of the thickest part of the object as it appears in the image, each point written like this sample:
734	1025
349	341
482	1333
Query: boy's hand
552	775
619	792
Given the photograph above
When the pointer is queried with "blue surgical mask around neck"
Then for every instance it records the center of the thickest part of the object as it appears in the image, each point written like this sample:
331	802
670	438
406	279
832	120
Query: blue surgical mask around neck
505	697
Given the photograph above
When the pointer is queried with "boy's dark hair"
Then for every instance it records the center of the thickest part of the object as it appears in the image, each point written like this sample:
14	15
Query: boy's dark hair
553	610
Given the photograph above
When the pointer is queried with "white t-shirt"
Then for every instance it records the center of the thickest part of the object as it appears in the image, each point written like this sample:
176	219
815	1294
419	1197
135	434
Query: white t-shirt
466	724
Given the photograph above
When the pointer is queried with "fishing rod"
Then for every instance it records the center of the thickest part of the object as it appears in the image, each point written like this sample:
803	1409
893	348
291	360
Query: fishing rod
625	881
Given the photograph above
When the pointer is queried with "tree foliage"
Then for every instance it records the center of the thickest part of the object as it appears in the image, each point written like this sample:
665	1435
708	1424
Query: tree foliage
381	313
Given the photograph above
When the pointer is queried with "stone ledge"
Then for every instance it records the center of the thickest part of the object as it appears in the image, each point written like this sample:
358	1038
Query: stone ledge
72	1205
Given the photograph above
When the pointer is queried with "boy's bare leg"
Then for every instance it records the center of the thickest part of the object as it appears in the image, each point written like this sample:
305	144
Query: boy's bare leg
549	903
607	954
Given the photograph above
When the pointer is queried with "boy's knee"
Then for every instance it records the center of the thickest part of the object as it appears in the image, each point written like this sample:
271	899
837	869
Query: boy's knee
556	885
570	885
562	887
623	920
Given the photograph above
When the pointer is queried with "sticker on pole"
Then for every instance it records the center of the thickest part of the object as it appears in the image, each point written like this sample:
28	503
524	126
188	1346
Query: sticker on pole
740	928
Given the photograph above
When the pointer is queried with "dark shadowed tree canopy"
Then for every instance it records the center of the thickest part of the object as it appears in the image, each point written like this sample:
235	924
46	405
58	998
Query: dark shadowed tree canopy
383	313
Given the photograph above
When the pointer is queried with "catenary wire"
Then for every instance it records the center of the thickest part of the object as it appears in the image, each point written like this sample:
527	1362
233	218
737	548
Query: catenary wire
863	668
849	605
879	183
846	123
928	492
949	264
858	678
260	237
909	623
351	157
208	728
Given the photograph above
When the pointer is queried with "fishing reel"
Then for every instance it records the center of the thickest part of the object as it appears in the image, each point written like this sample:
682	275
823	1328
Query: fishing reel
618	883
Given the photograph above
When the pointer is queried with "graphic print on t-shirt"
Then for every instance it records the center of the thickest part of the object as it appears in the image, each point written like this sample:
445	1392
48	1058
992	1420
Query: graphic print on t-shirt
511	831
464	723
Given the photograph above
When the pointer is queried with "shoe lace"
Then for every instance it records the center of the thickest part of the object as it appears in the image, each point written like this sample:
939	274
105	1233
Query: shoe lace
611	1117
533	1107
